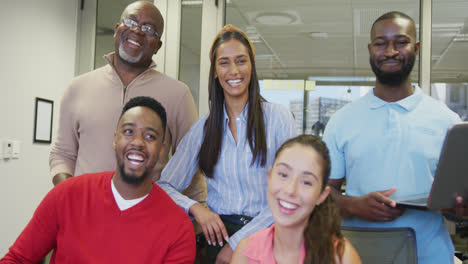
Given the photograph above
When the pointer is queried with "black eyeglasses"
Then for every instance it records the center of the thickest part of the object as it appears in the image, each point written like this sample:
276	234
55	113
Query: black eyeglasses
147	29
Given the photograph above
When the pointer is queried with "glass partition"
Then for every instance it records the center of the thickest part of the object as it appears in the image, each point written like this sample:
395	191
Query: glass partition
190	41
449	76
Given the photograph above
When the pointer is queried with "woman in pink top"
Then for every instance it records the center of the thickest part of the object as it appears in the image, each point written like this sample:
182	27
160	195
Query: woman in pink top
307	223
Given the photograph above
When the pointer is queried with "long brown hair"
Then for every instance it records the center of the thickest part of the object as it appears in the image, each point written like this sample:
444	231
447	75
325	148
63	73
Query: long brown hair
213	129
322	235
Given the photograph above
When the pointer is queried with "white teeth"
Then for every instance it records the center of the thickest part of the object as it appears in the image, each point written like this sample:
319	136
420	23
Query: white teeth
134	42
135	157
287	205
135	163
234	81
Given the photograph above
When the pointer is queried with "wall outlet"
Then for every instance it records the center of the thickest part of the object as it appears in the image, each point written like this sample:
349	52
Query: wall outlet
7	149
16	149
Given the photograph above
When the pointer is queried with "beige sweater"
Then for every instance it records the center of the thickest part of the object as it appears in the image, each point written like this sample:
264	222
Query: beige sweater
89	112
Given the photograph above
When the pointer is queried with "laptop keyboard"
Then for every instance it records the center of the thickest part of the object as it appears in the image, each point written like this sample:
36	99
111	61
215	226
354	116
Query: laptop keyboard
422	200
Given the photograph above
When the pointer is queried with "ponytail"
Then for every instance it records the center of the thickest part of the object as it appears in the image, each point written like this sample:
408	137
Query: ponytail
322	236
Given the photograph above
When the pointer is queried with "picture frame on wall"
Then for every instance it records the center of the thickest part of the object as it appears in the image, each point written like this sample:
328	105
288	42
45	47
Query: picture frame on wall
43	120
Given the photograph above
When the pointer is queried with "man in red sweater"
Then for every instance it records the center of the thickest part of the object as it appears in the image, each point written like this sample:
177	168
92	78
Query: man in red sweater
120	216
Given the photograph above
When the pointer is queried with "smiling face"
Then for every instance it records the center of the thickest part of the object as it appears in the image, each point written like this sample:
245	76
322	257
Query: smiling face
233	69
132	45
393	50
295	185
138	142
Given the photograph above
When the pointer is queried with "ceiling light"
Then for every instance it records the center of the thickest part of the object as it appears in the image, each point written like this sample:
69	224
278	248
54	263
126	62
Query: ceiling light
255	40
253	35
192	2
342	79
275	18
446	27
461	38
197	2
318	35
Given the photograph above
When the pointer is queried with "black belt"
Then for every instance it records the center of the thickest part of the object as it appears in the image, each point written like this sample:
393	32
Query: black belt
236	219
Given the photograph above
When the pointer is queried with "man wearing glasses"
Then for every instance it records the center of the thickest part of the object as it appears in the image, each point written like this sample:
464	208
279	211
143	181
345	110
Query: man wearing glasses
90	106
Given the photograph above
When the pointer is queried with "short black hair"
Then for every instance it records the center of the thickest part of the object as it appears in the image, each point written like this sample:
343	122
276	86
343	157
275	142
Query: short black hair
393	15
149	103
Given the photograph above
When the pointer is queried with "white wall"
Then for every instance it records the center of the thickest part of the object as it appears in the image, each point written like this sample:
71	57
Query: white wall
37	60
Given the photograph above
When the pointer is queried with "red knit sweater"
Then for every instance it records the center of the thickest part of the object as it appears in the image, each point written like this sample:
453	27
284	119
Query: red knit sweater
80	219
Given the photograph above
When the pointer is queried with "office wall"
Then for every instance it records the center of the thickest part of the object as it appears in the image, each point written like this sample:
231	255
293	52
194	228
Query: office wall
37	60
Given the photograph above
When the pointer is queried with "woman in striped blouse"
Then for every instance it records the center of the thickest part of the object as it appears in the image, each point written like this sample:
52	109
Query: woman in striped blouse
233	146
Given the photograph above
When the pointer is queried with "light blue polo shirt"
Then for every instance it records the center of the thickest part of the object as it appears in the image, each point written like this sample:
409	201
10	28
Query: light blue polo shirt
378	145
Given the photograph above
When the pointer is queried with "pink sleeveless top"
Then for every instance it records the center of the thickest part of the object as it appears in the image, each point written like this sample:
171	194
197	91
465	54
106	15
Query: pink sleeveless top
260	247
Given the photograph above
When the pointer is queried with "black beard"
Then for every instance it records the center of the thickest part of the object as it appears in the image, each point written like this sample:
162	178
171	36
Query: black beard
130	178
394	78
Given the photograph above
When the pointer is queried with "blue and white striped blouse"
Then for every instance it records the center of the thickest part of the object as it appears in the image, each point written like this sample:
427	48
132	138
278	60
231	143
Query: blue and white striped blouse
237	187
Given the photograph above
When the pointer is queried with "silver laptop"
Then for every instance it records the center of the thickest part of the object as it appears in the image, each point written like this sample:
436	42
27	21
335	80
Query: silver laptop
451	177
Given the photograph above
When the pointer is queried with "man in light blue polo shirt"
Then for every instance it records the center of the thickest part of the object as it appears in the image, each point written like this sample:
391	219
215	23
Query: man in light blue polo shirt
388	142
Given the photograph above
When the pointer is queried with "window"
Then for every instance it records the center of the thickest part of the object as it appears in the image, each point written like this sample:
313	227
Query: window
449	76
321	41
190	41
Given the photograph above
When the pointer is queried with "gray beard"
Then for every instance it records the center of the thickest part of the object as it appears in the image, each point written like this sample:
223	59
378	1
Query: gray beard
130	59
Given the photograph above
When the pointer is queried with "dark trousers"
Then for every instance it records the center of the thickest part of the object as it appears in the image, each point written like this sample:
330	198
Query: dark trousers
232	223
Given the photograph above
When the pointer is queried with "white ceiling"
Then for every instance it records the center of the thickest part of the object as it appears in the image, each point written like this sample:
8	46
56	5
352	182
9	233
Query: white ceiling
289	52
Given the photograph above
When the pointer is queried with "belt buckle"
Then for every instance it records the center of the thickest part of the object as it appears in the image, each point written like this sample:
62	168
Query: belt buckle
200	240
245	221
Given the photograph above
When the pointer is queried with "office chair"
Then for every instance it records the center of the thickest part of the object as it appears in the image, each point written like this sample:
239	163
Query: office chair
383	245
